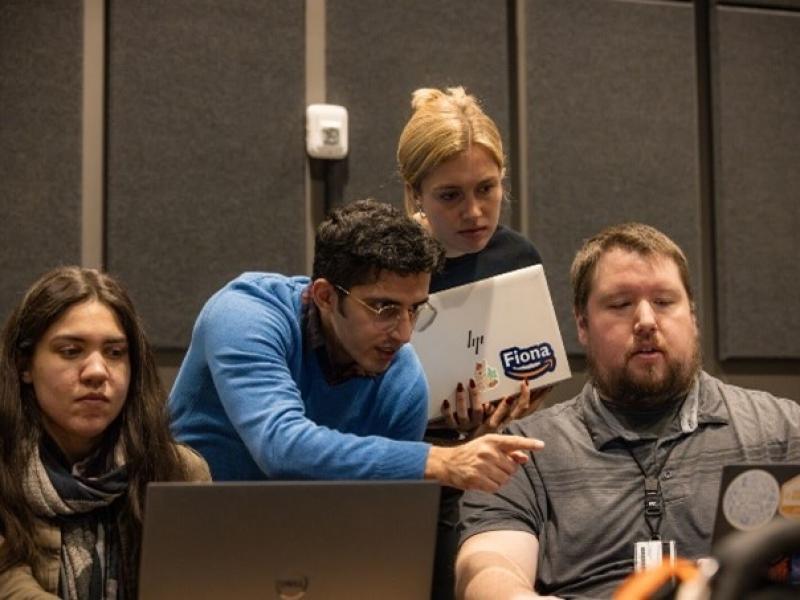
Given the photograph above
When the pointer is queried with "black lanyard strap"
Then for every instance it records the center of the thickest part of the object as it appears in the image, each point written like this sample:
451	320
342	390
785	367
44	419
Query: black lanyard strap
653	501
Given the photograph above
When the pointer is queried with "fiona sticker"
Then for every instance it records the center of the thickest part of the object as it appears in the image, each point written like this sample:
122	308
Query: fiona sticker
528	363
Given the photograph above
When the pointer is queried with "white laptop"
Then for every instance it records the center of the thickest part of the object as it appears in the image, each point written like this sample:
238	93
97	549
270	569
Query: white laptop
294	540
496	331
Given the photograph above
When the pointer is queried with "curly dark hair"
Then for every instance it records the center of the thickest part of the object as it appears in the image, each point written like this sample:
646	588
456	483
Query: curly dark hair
354	244
142	426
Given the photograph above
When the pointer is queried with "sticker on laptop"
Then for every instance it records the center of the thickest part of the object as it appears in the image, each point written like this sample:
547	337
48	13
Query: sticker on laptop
790	498
486	377
751	499
528	363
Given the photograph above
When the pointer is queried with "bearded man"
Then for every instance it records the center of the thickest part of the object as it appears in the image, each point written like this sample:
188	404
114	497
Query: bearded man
636	457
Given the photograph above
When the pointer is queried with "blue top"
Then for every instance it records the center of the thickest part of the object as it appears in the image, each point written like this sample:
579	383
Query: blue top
256	405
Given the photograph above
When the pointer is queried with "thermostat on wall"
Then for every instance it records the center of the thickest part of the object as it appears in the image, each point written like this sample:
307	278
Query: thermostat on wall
326	131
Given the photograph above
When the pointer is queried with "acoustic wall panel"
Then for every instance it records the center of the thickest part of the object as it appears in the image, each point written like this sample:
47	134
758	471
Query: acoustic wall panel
612	130
378	52
756	99
206	151
41	48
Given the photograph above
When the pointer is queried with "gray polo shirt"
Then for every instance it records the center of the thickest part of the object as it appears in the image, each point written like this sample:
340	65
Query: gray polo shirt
583	494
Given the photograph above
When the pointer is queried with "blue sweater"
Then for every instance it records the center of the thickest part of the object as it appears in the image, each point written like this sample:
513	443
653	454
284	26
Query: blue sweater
256	405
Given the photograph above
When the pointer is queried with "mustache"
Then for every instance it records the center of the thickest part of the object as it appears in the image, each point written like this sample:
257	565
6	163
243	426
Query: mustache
625	391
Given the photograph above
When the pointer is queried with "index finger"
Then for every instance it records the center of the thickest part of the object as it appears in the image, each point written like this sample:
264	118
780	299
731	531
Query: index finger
508	443
476	404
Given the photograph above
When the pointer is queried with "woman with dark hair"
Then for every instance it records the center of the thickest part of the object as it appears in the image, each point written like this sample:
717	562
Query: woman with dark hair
84	430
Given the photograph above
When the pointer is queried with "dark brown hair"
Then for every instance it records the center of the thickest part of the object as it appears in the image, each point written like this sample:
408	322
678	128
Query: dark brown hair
142	427
359	241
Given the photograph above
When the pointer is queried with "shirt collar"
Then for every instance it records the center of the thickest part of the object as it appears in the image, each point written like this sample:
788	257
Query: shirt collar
698	409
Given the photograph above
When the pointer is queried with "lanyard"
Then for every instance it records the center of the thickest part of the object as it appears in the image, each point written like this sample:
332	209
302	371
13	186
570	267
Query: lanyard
653	502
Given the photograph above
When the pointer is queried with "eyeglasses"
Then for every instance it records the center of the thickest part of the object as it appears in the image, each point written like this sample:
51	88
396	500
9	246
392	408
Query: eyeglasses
388	317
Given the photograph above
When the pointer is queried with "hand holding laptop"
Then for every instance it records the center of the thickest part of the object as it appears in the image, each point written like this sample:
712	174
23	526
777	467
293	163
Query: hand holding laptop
484	464
474	417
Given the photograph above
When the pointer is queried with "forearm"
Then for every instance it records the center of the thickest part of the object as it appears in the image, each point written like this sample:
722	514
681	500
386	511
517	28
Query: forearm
307	451
435	465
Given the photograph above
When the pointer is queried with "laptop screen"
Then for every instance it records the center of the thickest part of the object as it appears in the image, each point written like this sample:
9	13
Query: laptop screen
310	540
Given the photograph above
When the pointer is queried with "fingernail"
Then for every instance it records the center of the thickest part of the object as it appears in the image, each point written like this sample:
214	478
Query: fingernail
485	407
510	400
459	387
472	383
525	381
446	404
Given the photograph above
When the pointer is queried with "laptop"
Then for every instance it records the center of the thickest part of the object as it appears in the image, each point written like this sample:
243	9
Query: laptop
291	540
750	496
497	332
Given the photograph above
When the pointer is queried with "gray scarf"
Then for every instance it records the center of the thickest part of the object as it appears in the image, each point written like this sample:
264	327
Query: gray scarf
79	501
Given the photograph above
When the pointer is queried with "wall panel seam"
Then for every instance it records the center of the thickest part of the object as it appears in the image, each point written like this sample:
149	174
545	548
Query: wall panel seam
93	133
316	92
519	117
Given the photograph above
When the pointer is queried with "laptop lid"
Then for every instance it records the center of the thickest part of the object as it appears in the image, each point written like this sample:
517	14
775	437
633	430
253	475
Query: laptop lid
496	331
750	496
309	540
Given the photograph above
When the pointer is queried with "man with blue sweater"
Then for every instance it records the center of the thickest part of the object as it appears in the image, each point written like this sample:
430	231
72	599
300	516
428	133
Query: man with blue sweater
298	378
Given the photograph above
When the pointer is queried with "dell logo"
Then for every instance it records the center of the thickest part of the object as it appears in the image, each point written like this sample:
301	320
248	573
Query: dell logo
291	588
474	342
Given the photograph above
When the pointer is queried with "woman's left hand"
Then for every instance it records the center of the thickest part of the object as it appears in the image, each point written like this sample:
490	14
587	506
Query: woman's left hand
475	418
469	411
510	408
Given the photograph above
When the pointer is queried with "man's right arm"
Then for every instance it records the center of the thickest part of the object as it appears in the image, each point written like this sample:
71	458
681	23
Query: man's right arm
247	345
498	565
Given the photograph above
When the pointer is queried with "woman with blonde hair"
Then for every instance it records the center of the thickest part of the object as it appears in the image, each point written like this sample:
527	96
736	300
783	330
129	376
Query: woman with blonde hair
84	430
450	156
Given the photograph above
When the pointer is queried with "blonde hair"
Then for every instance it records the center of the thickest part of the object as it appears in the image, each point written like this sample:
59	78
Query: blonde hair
443	124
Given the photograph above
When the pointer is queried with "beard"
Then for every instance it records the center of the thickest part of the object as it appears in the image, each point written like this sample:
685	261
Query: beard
628	390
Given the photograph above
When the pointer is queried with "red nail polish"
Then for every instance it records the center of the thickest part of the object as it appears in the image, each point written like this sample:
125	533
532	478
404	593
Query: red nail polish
472	383
459	387
445	404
